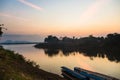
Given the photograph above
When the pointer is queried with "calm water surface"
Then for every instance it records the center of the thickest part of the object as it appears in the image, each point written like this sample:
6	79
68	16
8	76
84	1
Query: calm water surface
52	63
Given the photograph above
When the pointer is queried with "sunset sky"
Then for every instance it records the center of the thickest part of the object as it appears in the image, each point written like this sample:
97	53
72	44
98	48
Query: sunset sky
60	17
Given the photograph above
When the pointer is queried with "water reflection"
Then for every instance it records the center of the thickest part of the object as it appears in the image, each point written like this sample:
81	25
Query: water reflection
51	52
52	59
113	54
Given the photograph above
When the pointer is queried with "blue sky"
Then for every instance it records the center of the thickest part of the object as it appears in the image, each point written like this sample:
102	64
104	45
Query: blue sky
60	17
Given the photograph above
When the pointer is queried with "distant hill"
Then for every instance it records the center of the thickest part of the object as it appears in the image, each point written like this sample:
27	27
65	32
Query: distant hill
18	42
21	37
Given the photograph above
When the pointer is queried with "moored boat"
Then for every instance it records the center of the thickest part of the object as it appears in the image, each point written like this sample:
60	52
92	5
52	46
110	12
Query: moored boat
82	74
72	75
93	75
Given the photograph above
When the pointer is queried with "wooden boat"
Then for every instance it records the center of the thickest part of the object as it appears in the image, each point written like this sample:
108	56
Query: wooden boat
82	74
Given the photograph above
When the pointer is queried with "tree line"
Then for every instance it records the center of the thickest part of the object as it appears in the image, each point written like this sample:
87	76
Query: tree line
110	40
90	46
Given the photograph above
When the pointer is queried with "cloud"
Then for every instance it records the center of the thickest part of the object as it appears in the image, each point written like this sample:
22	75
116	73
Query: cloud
93	9
12	16
30	5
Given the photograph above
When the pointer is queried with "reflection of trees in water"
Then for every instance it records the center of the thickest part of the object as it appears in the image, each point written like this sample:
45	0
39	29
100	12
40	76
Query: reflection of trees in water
68	51
113	54
51	52
88	46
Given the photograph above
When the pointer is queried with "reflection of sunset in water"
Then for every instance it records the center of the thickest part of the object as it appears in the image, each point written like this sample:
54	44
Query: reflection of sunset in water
82	62
53	63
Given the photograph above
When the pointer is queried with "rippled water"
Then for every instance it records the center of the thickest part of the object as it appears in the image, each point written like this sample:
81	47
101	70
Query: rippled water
52	61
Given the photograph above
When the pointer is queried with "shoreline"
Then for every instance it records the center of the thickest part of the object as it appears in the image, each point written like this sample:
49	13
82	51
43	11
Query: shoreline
14	66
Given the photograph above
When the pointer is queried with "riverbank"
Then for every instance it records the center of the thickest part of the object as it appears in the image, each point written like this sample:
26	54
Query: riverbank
14	67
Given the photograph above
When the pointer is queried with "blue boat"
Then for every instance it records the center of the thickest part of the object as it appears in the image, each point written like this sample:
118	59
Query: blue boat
82	74
88	74
72	75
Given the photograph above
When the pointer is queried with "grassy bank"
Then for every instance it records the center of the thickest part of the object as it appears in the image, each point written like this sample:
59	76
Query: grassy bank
14	67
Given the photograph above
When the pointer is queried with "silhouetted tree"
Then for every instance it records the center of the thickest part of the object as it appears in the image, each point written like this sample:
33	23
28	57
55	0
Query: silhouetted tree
67	39
1	27
51	39
112	40
1	31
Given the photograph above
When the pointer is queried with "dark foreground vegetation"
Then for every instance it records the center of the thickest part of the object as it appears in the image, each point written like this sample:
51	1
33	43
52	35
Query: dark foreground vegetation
91	46
14	67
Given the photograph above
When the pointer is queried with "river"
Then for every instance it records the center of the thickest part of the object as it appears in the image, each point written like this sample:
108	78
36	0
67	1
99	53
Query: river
52	62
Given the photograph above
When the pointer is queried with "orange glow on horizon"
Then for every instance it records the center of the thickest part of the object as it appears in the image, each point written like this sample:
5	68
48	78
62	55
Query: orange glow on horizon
97	18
